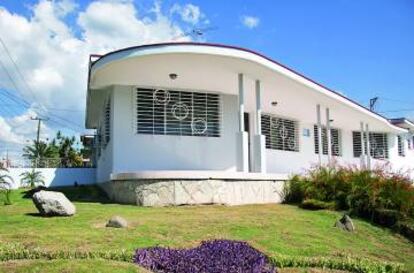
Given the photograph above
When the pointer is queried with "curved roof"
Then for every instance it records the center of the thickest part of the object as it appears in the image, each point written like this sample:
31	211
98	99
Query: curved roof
232	51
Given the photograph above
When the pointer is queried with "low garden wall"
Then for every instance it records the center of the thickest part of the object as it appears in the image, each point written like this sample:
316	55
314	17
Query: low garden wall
56	177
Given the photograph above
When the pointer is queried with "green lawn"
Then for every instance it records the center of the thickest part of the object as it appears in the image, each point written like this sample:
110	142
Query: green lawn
99	266
274	229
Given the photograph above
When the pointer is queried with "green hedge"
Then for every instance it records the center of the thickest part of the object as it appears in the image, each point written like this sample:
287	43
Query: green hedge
16	252
350	264
313	204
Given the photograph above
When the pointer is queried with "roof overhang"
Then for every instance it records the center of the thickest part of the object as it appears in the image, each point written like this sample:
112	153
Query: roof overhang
403	123
102	71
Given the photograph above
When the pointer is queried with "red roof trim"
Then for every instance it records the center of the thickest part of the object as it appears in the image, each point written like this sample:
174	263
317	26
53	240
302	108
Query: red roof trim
241	49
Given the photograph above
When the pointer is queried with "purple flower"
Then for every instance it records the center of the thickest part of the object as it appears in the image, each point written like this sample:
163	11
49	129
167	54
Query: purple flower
216	256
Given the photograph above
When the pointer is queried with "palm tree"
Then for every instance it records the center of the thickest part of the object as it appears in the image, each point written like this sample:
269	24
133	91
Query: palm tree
32	178
69	155
5	184
38	152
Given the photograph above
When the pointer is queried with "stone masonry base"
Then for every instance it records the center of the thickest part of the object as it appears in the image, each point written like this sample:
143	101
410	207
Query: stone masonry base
172	192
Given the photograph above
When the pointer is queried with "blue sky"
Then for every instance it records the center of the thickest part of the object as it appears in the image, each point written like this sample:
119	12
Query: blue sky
359	48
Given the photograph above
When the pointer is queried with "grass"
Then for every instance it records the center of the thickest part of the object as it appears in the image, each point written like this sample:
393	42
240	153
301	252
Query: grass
273	229
68	266
100	266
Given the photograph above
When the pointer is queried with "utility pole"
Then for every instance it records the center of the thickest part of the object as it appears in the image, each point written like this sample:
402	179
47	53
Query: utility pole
372	103
39	122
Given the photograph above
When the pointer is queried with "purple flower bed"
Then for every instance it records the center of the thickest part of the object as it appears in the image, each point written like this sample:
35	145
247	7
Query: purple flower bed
216	256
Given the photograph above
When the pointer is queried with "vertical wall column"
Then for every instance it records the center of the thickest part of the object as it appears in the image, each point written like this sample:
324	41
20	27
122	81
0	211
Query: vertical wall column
368	147
328	136
319	122
363	157
242	136
259	160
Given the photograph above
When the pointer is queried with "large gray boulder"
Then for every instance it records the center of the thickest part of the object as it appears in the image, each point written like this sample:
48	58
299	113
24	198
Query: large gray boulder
345	223
117	222
52	203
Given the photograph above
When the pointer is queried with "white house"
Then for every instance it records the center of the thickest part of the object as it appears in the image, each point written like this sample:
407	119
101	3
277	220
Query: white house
185	123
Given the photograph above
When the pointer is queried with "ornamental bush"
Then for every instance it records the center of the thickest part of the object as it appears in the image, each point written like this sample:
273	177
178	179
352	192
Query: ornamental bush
313	204
379	195
210	257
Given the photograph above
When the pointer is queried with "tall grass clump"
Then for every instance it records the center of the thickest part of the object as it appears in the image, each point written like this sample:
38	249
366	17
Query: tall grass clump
379	195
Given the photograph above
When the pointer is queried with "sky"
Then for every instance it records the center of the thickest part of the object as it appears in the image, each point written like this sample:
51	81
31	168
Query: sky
361	49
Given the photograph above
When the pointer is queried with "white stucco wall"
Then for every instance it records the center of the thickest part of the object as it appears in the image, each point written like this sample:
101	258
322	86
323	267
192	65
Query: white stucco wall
131	152
55	177
134	152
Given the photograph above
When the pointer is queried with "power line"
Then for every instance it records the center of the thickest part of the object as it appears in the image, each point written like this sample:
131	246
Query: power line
9	75
8	109
17	69
23	102
398	110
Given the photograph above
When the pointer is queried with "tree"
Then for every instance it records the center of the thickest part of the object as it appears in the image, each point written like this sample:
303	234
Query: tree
5	185
32	178
65	146
60	152
39	152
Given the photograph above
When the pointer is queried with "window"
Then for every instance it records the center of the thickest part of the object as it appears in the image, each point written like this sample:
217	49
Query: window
165	112
335	141
378	144
401	148
281	134
107	122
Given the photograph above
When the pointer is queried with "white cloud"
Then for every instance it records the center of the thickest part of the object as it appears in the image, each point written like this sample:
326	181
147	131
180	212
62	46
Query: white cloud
250	21
53	55
7	134
189	13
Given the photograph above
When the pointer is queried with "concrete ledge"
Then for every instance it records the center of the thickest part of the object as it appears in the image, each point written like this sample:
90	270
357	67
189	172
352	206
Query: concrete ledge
198	175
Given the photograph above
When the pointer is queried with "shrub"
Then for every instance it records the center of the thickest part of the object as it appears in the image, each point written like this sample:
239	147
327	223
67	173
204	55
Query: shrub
313	204
406	228
5	185
293	191
386	217
210	256
379	195
348	264
32	179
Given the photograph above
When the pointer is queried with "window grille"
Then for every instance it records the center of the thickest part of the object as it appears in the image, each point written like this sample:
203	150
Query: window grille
166	112
107	122
98	144
335	141
378	144
281	134
401	148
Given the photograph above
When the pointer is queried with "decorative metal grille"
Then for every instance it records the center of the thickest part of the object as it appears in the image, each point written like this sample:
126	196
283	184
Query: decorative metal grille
378	144
401	148
281	134
165	112
335	141
107	122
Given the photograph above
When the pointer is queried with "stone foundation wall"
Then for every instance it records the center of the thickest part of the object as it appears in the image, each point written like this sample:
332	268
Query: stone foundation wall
146	192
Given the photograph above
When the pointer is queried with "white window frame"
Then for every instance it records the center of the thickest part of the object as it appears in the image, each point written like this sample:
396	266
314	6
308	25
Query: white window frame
401	145
197	126
272	136
375	151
